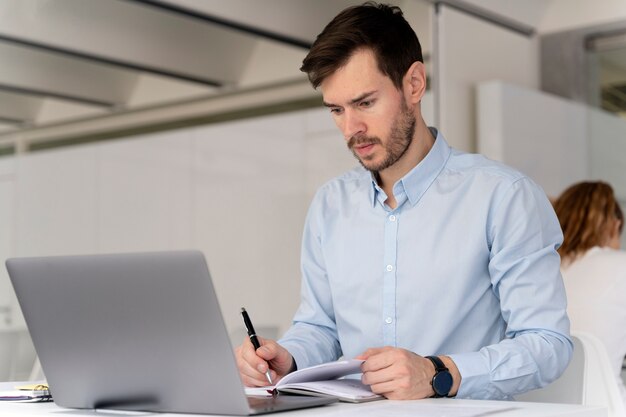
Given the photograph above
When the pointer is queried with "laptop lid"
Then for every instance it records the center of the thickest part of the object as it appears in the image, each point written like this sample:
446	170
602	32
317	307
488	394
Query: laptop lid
140	331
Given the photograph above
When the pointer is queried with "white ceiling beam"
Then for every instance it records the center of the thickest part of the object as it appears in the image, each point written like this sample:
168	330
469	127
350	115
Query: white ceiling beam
251	98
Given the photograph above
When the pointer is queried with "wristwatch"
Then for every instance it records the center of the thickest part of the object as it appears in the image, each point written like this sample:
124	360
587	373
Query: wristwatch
442	381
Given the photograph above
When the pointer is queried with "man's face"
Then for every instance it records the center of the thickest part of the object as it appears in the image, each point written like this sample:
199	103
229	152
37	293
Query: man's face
370	112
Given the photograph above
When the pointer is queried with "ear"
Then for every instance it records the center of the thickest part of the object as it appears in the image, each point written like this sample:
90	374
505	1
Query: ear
415	82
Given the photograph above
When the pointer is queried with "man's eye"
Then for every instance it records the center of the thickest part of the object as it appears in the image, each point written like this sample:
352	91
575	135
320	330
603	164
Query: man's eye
335	110
366	103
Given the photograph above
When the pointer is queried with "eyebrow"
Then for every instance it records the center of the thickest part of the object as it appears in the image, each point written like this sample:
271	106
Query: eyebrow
354	100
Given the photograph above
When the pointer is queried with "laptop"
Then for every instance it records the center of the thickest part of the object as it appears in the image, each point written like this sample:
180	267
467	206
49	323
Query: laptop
140	331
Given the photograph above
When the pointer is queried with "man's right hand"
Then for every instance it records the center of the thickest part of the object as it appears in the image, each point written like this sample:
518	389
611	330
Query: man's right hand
253	364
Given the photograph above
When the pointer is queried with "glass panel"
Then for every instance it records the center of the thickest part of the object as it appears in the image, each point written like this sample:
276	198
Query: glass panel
606	58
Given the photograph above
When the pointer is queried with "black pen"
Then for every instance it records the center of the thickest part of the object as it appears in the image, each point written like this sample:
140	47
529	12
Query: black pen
253	338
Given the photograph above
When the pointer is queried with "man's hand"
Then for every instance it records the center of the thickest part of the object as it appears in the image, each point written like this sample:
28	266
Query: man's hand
253	364
399	374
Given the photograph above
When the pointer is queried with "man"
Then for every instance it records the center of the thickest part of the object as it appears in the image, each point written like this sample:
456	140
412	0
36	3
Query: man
424	250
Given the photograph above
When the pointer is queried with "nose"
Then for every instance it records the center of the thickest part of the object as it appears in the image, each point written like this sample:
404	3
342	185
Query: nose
352	125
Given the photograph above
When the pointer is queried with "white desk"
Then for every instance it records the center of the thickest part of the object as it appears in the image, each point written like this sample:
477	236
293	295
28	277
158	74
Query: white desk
442	407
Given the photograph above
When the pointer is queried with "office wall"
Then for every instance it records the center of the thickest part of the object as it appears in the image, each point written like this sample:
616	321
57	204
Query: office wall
608	149
542	135
471	50
554	140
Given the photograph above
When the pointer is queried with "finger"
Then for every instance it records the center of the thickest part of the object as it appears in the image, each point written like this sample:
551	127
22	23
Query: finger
252	363
270	352
250	376
253	381
401	389
405	378
278	358
371	352
247	367
382	359
250	354
377	377
267	351
383	388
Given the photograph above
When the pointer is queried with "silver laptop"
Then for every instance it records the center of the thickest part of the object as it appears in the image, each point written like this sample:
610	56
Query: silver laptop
135	332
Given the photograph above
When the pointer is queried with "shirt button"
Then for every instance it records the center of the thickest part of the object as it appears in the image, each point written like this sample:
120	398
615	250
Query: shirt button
392	218
389	268
388	320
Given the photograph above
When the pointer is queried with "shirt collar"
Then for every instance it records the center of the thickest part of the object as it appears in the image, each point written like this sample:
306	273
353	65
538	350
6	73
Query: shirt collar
418	180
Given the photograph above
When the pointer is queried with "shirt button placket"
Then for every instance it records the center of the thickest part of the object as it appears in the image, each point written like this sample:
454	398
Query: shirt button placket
389	282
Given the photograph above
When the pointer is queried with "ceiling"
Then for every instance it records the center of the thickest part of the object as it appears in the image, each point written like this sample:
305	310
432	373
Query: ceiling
76	69
68	60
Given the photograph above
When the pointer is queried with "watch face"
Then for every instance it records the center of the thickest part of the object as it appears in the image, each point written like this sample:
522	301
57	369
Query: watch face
442	383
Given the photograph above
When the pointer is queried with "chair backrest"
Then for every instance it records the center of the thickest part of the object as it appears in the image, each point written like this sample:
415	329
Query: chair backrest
588	380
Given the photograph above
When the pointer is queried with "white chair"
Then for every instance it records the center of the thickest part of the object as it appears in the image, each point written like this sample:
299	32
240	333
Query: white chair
588	380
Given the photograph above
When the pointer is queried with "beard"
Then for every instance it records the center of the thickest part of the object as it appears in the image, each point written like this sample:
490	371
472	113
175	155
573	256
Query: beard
400	137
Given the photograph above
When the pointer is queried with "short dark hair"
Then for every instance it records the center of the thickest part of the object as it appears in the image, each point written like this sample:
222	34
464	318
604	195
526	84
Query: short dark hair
379	27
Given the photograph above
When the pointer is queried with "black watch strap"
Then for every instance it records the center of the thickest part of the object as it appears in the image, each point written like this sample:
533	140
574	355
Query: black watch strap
439	365
440	368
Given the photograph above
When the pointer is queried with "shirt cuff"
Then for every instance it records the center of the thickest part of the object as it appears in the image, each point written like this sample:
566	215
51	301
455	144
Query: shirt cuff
299	355
474	374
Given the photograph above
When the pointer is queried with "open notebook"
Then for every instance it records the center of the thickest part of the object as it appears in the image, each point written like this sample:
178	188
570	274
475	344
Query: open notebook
326	379
135	332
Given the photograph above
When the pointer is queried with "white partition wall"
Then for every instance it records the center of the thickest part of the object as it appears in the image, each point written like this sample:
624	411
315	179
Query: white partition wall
471	50
56	202
543	136
553	140
248	209
144	193
608	149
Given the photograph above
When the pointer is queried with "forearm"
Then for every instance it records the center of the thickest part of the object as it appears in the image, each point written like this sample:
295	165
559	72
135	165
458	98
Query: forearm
528	361
311	344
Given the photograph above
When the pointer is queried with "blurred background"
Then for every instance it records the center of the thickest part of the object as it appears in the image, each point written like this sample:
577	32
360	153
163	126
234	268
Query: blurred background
136	125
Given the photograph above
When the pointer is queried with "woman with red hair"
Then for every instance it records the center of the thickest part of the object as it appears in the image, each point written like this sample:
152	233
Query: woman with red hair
594	267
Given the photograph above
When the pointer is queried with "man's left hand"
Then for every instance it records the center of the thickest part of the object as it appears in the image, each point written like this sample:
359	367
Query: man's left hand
399	374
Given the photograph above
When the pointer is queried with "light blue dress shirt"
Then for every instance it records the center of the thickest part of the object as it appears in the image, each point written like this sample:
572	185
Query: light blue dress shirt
465	266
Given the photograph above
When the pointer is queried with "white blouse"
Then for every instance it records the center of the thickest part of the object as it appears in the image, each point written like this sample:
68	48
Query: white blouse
596	294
